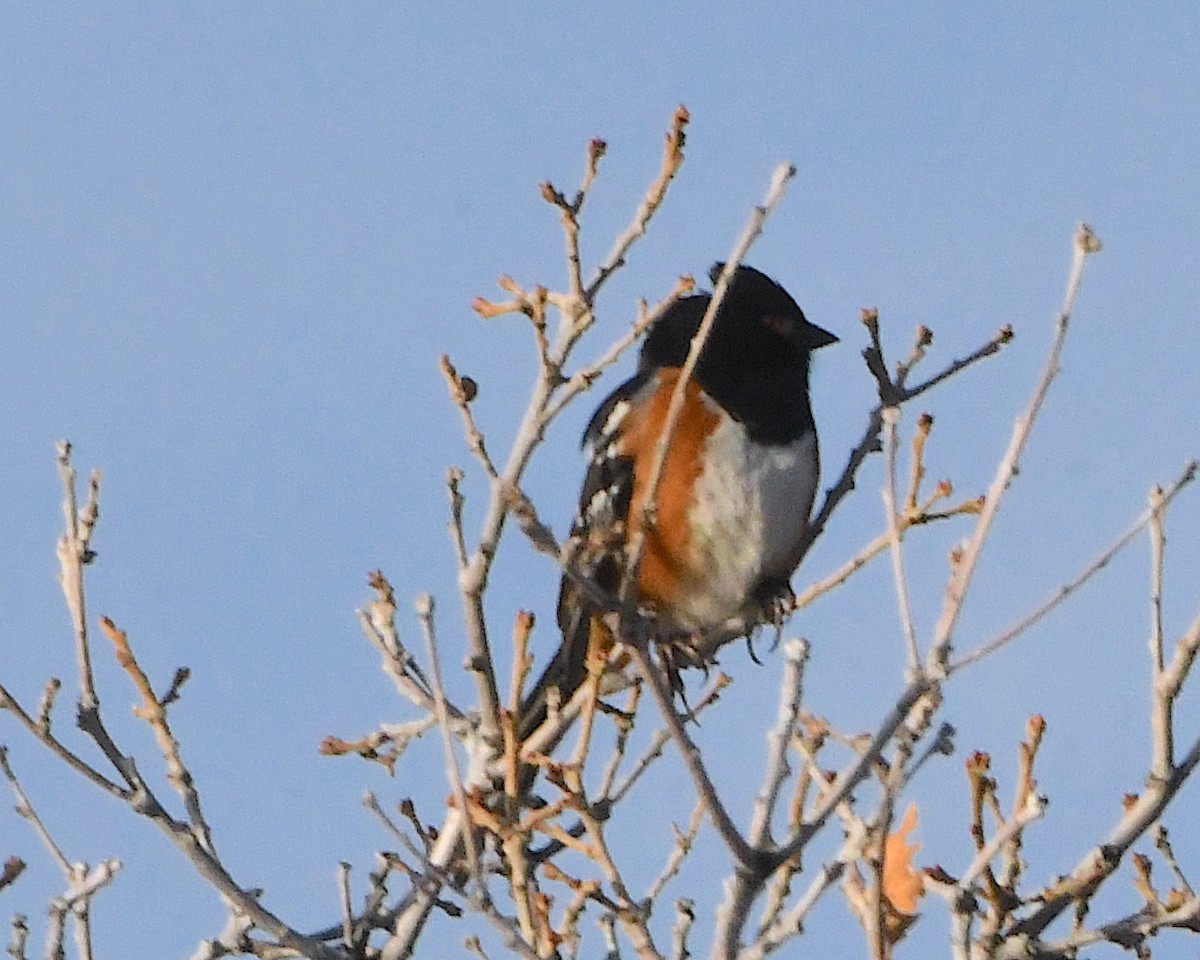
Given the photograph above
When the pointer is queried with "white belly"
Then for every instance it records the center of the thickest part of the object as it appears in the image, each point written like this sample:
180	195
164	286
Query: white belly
749	517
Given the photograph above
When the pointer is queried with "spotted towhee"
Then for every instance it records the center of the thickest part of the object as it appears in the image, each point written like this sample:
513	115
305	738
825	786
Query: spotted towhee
737	486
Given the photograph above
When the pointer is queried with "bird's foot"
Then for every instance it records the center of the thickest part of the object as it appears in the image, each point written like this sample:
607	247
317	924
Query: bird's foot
775	599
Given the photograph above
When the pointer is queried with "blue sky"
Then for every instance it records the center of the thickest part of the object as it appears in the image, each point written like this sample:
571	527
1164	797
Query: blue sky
236	238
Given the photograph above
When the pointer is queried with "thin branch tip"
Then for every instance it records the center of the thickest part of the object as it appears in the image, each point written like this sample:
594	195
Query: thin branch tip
1086	240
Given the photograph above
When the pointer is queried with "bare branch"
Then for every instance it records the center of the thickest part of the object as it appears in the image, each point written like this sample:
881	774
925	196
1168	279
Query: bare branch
853	774
745	884
424	608
463	391
795	654
684	839
728	832
153	712
26	810
685	918
964	569
1100	863
672	160
870	442
82	881
891	417
660	738
74	552
1033	809
20	935
791	921
42	733
1009	634
1163	753
923	514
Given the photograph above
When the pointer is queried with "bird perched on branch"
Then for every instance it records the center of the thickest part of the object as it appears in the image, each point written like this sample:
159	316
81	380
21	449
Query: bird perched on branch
737	485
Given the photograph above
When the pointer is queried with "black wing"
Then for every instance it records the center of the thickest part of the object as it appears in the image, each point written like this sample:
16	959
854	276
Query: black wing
599	528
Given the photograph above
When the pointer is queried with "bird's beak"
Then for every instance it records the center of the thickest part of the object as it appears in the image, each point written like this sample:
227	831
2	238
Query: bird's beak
814	337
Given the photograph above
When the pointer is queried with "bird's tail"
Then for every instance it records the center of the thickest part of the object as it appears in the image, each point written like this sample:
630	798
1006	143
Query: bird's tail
565	673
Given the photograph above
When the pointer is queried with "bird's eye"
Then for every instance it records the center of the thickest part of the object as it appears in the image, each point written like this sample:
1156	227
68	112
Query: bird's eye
778	324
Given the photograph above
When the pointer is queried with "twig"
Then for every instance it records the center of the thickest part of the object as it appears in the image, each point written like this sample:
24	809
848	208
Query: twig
1129	933
155	715
917	468
875	909
1002	337
741	850
684	840
424	609
1098	864
1035	730
347	906
82	885
1086	244
507	928
608	930
1161	713
685	918
13	868
660	739
371	802
624	724
795	653
570	215
46	707
672	160
25	809
74	551
921	341
962	912
941	745
1181	662
378	622
853	774
1163	843
454	478
634	917
40	731
1010	633
870	443
82	881
789	923
20	935
922	515
1033	809
463	391
191	838
745	884
891	418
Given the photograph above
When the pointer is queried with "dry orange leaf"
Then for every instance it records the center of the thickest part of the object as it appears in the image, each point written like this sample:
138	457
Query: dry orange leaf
902	884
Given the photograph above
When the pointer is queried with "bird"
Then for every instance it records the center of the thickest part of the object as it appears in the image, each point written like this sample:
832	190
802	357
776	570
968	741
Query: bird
737	487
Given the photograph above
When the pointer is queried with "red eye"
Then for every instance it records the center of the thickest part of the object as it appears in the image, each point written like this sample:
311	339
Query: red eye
778	324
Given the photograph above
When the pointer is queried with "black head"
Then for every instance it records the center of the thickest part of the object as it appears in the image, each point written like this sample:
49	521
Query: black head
757	317
755	361
760	304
